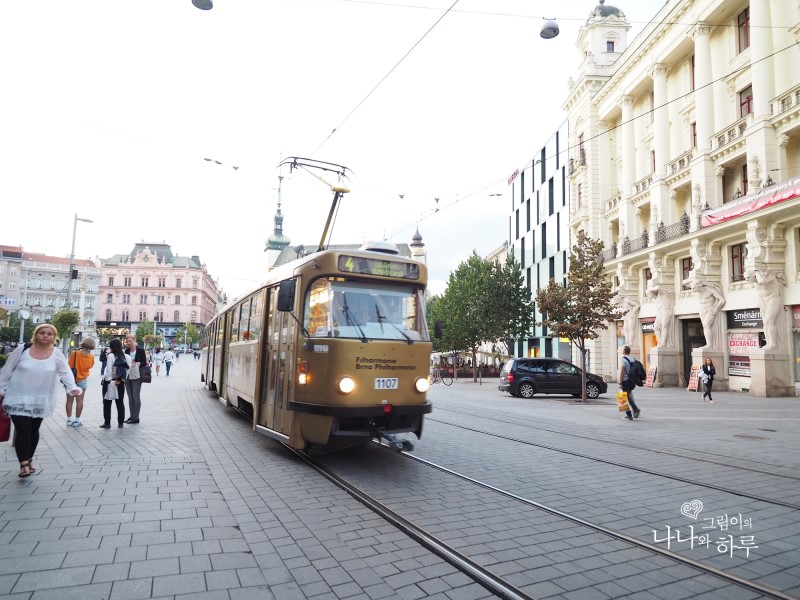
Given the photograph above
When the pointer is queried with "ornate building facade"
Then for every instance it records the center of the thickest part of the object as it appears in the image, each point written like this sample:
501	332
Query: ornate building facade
685	161
152	283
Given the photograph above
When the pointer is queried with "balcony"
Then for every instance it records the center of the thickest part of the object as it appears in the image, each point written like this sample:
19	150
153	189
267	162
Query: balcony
637	244
614	201
731	138
642	185
680	165
784	106
668	232
576	163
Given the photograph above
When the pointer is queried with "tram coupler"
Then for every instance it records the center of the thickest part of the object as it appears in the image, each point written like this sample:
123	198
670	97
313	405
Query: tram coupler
395	444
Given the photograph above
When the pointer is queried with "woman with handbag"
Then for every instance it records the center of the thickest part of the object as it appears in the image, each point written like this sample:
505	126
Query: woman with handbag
81	362
133	385
114	379
29	390
708	373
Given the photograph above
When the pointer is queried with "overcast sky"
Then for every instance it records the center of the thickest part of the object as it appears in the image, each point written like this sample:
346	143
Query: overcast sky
109	109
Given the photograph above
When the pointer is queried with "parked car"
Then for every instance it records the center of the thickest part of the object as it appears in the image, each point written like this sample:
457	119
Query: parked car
528	376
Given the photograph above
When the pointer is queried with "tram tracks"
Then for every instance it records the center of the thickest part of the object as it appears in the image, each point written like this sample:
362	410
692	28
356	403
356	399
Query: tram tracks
627	466
485	577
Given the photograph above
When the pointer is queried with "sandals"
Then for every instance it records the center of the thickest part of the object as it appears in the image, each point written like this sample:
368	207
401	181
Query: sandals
25	469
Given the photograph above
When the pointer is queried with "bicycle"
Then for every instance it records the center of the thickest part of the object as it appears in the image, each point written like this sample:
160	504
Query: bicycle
438	375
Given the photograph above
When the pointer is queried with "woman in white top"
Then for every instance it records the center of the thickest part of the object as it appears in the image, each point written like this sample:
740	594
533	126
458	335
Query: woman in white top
29	390
158	358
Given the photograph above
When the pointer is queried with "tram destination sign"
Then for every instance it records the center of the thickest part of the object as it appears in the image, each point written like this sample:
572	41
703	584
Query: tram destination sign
376	266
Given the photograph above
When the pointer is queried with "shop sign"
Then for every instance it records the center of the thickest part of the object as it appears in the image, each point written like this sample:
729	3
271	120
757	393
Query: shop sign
648	325
796	316
740	345
746	318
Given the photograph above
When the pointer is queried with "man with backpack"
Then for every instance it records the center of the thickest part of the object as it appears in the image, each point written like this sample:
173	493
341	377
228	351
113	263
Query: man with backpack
630	375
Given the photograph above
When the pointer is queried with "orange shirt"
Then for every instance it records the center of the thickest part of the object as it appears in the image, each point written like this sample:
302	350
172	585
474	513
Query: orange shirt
83	364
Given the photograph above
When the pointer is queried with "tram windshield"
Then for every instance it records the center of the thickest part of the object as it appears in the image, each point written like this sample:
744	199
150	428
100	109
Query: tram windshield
338	308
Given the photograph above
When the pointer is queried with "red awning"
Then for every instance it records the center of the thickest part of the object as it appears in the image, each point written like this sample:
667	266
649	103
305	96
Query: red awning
764	198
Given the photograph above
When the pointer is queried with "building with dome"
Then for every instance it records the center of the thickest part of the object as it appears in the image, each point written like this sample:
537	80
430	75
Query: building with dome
684	158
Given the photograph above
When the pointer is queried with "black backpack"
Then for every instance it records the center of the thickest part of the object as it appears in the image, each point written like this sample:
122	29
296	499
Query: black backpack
636	372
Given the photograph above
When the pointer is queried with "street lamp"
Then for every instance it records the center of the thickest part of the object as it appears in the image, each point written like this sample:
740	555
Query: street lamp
71	268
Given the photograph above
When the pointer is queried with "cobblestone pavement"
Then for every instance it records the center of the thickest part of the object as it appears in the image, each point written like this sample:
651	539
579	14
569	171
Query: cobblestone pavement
190	503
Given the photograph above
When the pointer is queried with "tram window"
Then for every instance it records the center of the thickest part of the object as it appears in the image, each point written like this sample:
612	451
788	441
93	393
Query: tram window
244	321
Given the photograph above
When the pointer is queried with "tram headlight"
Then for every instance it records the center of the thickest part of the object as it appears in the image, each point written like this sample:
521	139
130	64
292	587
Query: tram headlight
423	384
346	385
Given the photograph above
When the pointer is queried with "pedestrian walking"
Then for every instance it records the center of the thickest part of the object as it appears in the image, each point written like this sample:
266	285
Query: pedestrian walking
169	356
114	383
626	384
103	360
133	384
81	362
29	390
708	378
158	359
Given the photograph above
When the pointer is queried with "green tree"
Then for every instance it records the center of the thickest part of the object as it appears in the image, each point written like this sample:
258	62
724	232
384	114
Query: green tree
433	313
583	306
11	333
190	336
511	306
465	308
145	328
65	321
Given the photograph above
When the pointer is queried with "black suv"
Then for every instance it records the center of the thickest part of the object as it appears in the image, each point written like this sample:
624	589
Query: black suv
528	376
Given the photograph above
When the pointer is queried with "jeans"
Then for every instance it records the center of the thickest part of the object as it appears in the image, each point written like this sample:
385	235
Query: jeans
707	391
628	386
134	387
169	366
27	439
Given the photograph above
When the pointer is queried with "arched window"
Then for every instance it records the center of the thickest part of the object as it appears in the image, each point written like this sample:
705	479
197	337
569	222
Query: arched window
193	318
108	314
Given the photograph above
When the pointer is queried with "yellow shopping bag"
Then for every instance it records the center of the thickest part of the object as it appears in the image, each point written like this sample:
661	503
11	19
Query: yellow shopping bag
622	401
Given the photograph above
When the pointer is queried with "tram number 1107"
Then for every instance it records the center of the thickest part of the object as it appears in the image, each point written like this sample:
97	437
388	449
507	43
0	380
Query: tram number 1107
386	383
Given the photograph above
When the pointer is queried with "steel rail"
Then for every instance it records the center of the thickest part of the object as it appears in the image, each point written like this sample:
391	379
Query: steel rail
479	574
756	587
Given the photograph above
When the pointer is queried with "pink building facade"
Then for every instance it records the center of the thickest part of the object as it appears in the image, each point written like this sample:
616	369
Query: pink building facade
154	284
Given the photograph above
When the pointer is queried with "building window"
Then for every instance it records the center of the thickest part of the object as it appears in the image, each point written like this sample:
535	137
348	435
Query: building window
694	134
743	26
194	300
193	317
177	299
581	151
108	314
12	285
159	299
142	298
686	267
110	282
652	106
738	254
746	101
580	195
145	282
162	282
691	74
744	180
127	282
159	316
648	275
652	161
609	46
176	316
178	282
126	298
109	298
142	316
126	315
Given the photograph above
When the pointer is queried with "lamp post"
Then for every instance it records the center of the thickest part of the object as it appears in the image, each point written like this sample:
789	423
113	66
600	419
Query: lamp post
71	267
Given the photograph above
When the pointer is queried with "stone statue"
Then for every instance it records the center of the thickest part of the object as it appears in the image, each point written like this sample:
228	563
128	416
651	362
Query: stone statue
769	284
711	301
629	305
665	304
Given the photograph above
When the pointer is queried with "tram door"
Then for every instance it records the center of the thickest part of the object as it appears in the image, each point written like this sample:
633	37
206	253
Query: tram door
278	367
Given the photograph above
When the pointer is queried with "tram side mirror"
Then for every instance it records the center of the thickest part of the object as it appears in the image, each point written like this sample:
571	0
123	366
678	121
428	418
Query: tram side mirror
438	329
286	295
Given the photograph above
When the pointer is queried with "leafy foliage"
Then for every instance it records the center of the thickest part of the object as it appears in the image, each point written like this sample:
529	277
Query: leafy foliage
191	336
11	333
511	306
65	321
466	308
585	305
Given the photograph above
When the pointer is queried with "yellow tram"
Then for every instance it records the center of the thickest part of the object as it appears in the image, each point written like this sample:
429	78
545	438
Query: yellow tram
332	350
